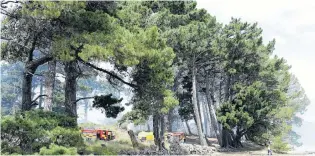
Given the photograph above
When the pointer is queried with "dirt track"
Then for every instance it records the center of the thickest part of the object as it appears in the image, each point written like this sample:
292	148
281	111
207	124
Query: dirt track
248	149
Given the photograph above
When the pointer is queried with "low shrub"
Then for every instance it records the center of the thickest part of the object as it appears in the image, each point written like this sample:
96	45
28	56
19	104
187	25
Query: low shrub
58	150
22	135
99	150
279	146
68	137
53	119
28	132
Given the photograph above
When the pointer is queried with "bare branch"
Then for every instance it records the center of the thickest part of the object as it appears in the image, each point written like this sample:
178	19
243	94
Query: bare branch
107	72
5	38
3	2
84	98
77	50
39	97
35	74
41	61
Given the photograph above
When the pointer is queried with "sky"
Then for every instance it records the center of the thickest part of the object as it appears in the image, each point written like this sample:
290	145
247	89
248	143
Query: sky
290	22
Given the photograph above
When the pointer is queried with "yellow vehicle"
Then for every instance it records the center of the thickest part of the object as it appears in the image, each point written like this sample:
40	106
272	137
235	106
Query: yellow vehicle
146	136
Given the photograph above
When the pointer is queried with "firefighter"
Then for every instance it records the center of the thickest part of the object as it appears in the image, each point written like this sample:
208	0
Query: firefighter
269	149
98	135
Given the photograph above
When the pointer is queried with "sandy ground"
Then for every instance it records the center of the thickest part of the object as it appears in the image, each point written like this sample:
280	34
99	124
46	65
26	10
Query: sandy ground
249	149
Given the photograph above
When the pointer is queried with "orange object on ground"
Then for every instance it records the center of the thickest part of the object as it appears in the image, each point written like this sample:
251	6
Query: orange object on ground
99	133
105	135
180	135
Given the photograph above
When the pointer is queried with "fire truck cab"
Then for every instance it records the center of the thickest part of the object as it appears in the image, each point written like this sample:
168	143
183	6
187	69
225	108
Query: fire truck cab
105	135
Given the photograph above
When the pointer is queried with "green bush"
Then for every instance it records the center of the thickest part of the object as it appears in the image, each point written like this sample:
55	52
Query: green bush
58	150
28	132
67	137
22	135
279	146
99	150
50	120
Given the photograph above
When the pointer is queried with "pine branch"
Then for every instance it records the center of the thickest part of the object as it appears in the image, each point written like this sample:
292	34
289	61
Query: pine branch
107	72
39	97
84	98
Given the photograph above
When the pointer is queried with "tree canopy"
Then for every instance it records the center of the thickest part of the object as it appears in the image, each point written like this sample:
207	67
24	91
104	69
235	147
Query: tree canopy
168	54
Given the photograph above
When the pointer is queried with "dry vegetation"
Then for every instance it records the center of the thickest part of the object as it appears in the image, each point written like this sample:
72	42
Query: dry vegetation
122	142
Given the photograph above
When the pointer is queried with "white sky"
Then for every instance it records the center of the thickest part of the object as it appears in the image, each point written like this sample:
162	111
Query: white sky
290	22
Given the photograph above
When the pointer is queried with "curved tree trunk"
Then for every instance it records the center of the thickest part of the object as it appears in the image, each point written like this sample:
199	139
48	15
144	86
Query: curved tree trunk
188	127
196	112
49	85
213	117
133	139
206	119
199	107
30	68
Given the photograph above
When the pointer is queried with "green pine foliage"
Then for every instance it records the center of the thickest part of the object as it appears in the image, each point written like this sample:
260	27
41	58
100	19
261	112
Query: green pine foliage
58	150
28	132
253	91
107	104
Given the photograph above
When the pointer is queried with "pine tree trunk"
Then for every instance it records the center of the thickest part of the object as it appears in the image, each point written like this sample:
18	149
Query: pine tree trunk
227	139
30	68
86	107
163	127
41	93
227	88
133	139
205	119
156	131
220	88
212	91
49	85
199	107
27	88
71	88
213	117
237	138
196	112
148	126
170	121
188	128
